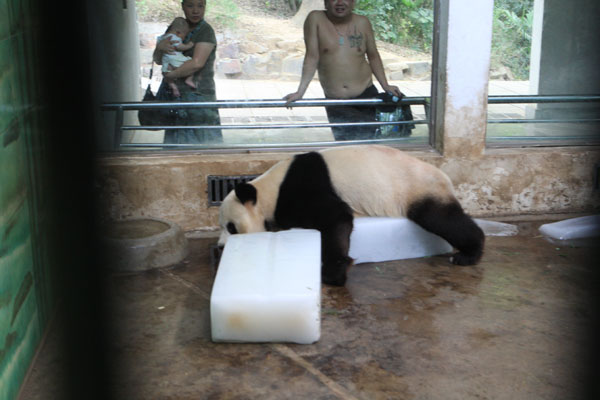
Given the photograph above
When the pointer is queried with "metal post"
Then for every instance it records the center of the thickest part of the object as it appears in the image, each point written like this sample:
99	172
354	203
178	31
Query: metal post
118	128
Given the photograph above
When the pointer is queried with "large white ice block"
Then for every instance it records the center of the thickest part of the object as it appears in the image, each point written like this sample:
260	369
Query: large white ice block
581	231
376	239
268	288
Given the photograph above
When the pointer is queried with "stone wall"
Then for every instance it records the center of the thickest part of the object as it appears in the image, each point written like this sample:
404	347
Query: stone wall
505	182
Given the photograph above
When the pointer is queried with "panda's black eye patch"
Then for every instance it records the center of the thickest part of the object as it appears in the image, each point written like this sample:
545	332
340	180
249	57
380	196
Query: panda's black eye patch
231	228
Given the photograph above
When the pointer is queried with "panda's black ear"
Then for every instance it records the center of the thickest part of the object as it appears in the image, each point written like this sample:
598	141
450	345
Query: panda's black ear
245	192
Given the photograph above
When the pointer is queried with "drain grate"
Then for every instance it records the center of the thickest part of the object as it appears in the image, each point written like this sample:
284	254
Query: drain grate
219	186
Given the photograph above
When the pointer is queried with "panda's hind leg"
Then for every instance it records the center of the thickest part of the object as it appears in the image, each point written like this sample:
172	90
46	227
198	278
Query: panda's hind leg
335	245
449	221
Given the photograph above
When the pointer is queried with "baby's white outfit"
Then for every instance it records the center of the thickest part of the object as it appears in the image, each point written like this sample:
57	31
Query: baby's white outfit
175	59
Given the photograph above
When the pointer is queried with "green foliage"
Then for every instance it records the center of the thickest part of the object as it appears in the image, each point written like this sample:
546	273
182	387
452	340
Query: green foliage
519	7
405	22
409	23
221	13
511	42
158	10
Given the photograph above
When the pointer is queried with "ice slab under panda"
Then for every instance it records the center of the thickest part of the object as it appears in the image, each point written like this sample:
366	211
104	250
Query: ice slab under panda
376	239
580	231
268	288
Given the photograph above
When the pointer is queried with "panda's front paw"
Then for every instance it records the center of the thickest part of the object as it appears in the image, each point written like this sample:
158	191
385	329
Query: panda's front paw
465	259
334	273
339	280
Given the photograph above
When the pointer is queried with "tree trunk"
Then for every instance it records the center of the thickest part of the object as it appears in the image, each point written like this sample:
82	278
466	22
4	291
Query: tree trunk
306	7
293	4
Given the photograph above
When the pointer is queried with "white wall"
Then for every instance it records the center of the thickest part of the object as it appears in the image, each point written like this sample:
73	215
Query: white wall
463	70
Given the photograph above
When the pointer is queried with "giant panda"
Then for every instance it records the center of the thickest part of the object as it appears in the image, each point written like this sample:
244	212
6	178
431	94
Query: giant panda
325	190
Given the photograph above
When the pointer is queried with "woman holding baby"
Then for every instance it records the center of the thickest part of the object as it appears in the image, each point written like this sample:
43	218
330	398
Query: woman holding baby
194	78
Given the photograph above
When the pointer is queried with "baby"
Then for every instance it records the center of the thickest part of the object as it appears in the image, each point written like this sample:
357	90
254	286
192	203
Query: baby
176	32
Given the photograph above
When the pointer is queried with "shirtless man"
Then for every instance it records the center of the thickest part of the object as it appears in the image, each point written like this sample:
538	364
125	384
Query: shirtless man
337	41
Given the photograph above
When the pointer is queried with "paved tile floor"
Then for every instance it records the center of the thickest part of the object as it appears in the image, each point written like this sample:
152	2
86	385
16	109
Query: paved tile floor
516	326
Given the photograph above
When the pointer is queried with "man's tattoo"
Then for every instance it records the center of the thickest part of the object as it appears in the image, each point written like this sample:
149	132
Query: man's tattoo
356	38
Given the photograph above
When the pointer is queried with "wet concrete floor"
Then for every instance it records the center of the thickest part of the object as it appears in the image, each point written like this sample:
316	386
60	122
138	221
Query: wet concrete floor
516	326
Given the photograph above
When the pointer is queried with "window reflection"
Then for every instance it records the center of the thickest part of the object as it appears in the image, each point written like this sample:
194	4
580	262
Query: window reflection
543	48
260	56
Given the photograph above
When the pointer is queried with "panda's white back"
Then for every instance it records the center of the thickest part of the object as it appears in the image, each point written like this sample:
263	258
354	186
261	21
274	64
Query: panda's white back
378	180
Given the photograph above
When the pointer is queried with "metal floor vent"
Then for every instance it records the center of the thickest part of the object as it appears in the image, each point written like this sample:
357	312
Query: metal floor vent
219	186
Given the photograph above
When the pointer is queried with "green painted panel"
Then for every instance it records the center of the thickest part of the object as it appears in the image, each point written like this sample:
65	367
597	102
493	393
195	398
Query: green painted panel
20	330
19	323
4	25
26	258
16	18
9	109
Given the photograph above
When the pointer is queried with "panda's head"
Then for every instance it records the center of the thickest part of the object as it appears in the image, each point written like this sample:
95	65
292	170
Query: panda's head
239	213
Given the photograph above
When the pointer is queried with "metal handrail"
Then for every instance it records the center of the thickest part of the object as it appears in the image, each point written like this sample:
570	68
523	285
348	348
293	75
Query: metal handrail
265	103
541	121
543	99
417	100
262	145
271	126
120	108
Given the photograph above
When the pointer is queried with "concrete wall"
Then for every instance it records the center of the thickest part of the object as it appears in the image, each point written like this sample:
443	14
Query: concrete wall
114	60
489	183
565	57
505	182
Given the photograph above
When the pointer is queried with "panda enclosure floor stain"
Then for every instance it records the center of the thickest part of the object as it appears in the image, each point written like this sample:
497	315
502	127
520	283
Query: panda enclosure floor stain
516	326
